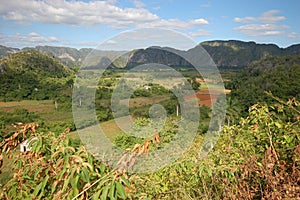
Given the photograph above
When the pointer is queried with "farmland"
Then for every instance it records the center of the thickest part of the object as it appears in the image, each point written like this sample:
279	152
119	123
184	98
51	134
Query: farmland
256	140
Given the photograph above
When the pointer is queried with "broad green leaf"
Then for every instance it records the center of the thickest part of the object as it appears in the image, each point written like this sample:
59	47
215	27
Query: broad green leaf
43	186
120	190
66	183
104	193
102	168
112	190
37	189
125	181
96	195
84	174
74	183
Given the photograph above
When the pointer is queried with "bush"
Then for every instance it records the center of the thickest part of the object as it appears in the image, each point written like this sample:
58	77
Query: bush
258	158
56	170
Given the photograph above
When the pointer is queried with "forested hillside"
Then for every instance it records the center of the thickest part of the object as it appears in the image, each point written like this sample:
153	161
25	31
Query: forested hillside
279	75
33	75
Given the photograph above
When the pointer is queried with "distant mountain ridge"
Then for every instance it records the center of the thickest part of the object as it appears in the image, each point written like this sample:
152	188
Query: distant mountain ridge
7	50
236	53
231	53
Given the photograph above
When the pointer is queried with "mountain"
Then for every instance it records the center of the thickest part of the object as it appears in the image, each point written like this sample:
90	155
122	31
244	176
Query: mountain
231	53
166	56
30	74
7	50
237	53
72	57
69	56
35	62
293	49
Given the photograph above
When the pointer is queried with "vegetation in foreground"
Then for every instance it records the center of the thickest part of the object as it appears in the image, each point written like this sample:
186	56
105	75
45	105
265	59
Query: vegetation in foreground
257	155
258	158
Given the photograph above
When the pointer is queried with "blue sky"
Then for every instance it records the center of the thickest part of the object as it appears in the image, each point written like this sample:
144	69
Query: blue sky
86	23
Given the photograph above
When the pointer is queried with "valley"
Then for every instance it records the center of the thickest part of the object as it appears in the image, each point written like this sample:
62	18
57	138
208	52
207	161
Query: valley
259	134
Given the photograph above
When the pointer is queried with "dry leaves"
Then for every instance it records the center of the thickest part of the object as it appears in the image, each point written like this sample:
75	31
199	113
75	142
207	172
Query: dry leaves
130	156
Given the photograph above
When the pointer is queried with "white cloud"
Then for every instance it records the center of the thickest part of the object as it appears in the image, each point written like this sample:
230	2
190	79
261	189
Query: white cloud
200	21
138	4
81	44
89	13
262	29
292	35
36	38
74	13
174	24
266	17
111	42
245	19
267	24
200	33
31	39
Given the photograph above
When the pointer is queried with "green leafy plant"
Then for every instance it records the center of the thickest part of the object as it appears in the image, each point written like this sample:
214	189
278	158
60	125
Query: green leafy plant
53	169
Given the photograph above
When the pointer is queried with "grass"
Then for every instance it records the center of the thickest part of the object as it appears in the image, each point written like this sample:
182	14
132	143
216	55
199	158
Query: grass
142	101
55	116
30	105
7	169
110	128
44	108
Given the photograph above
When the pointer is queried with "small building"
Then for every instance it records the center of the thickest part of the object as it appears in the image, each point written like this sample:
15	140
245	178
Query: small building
147	87
26	145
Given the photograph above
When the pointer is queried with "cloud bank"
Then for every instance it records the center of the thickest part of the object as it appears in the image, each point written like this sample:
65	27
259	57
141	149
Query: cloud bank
267	24
89	13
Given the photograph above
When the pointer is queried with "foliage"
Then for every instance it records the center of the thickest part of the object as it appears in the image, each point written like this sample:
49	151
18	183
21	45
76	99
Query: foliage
56	170
152	90
258	158
32	75
235	53
147	126
279	75
17	116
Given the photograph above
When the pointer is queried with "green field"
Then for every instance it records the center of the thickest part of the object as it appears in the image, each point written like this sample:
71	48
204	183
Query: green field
30	105
109	128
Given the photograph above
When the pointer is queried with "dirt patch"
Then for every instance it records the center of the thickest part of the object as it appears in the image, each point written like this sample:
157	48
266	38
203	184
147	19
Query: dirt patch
207	97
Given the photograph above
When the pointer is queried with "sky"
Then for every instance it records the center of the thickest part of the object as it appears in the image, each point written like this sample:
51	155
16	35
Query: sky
87	23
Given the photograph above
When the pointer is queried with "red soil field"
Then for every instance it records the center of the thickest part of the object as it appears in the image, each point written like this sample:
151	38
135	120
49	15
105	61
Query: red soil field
207	97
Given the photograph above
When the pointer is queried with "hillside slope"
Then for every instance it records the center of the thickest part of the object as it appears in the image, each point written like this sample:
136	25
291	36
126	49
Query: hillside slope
32	75
279	75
